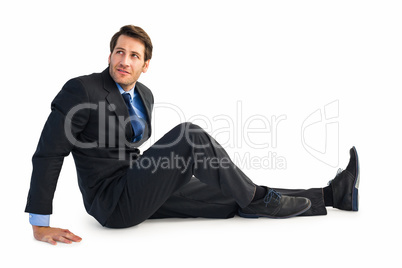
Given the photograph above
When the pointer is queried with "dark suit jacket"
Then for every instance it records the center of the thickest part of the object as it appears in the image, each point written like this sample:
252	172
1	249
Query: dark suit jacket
89	119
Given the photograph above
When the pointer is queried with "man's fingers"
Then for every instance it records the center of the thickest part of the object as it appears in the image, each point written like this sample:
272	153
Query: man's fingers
64	240
73	237
49	240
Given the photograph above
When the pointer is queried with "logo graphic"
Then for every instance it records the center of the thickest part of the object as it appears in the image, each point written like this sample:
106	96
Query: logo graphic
320	134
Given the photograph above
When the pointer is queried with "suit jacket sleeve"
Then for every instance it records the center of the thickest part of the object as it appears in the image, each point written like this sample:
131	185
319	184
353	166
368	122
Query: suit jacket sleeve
56	141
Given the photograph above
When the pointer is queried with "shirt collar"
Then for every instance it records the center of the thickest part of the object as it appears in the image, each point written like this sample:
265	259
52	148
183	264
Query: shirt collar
131	91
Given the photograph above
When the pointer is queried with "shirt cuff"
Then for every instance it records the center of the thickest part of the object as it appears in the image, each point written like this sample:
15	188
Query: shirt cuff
39	220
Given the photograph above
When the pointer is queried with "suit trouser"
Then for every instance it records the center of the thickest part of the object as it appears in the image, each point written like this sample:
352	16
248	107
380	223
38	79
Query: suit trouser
188	174
197	199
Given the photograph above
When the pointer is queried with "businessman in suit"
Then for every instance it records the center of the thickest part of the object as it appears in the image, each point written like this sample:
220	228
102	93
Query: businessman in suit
103	118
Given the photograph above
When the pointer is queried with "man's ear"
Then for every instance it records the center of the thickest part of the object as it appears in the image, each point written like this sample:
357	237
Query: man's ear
146	66
108	59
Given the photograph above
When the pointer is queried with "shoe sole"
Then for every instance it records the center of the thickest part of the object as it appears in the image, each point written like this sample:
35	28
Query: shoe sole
356	183
256	216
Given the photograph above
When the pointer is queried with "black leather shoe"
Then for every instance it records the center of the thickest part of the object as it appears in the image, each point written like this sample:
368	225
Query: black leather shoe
346	184
275	205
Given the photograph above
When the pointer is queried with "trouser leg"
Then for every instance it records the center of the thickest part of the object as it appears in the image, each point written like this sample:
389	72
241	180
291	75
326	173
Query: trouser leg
168	165
197	199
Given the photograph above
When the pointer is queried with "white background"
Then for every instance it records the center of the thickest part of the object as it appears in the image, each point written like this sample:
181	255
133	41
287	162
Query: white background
276	57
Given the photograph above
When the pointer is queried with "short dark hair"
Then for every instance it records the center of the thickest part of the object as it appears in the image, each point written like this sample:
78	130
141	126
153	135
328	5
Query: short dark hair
134	32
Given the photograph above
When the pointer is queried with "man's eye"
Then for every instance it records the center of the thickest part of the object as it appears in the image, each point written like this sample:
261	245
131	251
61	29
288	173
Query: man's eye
119	52
135	56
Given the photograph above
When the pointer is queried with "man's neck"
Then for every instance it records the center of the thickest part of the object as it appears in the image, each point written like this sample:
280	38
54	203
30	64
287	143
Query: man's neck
123	89
126	89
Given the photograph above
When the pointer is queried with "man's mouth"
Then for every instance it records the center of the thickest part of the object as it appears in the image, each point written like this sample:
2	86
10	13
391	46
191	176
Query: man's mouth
122	71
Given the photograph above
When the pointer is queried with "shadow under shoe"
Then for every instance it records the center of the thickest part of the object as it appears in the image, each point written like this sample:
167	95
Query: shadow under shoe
346	184
276	206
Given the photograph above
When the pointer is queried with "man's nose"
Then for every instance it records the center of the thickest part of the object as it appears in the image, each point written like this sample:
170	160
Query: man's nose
124	61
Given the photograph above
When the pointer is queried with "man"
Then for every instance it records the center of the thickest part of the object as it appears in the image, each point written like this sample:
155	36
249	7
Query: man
103	118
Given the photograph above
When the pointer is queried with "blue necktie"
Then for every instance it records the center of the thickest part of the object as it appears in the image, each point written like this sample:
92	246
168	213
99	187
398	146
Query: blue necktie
136	122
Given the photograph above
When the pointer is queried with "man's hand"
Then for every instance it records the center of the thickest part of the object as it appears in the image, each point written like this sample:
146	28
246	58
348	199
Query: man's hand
51	235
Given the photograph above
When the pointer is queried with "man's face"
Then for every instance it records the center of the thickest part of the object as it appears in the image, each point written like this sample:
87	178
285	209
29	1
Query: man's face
127	61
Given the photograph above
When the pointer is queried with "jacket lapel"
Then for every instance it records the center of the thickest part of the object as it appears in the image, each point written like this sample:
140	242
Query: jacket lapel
145	101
